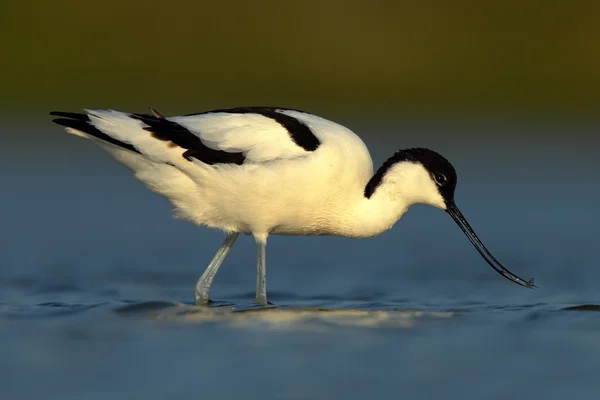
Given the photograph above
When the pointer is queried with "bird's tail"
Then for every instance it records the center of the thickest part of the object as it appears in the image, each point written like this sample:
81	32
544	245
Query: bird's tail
81	125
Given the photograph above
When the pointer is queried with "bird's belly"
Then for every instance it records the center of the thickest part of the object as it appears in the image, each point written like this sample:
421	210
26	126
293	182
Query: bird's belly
305	228
278	215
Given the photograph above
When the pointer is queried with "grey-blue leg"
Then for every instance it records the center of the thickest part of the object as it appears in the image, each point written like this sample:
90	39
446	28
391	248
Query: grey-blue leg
261	270
203	284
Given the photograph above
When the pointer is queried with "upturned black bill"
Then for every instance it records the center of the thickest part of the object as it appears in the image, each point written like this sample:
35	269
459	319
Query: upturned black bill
466	228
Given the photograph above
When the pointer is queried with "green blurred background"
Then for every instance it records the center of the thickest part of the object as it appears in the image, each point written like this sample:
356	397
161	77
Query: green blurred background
469	58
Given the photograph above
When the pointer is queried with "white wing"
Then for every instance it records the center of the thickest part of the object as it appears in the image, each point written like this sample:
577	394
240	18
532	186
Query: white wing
260	133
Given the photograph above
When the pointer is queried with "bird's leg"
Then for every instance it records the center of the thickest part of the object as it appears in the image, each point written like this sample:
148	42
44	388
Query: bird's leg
203	284
261	270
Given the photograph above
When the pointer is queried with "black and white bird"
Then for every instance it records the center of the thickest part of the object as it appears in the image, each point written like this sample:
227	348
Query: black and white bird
272	171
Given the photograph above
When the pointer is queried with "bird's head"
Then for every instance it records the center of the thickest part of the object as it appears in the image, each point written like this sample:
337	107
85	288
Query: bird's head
422	176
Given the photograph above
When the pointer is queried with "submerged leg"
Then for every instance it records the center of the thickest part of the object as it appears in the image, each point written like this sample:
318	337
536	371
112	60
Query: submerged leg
203	284
261	270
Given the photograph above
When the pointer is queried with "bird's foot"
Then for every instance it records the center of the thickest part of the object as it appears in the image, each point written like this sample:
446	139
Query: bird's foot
202	299
262	301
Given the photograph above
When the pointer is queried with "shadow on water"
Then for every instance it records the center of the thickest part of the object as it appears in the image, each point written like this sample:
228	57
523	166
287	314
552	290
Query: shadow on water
583	307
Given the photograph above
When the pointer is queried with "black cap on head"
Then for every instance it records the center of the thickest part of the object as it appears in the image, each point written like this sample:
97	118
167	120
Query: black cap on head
442	172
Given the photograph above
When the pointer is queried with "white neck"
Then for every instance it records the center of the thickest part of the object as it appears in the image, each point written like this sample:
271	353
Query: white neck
402	186
367	217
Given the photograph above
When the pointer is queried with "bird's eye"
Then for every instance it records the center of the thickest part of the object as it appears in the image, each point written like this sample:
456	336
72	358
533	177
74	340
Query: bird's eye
440	179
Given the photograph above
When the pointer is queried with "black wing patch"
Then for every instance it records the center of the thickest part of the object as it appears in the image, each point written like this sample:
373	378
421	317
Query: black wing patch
178	135
159	128
163	129
81	122
299	132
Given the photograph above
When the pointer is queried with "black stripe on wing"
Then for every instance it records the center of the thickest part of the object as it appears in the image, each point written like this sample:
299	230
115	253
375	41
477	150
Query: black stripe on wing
81	122
299	132
163	129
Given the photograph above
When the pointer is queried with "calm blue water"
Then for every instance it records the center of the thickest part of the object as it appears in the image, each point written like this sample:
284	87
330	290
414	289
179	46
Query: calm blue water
96	281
